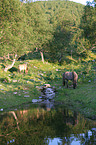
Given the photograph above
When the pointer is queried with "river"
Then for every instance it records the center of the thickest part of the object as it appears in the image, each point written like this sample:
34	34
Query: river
45	124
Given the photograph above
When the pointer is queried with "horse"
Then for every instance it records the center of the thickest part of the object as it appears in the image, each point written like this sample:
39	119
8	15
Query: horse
23	67
70	76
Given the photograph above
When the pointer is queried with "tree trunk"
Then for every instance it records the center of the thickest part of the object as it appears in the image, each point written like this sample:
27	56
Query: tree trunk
42	56
10	66
8	55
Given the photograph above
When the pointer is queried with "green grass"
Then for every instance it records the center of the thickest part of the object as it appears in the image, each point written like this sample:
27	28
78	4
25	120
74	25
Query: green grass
14	86
82	99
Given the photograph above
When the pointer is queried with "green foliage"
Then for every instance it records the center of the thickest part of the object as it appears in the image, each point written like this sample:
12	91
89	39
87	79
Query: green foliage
58	28
89	22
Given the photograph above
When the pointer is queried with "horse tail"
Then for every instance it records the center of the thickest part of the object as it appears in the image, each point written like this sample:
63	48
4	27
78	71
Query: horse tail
64	79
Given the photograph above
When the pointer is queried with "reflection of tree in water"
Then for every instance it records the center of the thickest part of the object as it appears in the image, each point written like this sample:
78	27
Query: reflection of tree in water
37	125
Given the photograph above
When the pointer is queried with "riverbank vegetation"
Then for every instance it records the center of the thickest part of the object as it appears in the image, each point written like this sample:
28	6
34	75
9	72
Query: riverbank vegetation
62	35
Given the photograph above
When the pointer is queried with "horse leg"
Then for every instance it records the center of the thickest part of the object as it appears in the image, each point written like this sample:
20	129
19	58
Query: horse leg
67	83
74	81
63	80
26	71
74	84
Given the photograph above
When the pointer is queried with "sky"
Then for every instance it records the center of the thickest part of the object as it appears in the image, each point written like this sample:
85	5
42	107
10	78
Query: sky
81	1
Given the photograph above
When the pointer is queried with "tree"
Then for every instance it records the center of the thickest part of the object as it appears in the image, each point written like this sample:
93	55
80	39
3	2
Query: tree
84	40
41	27
48	26
88	23
11	27
60	42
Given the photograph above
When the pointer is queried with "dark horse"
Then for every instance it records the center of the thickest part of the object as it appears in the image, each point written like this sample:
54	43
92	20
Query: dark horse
70	76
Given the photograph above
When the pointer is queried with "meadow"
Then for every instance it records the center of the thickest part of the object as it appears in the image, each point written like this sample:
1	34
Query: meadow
20	88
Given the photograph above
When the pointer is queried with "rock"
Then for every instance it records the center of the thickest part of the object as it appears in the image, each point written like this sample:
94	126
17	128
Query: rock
14	92
34	100
27	81
47	85
49	93
26	96
14	81
94	129
39	100
50	96
35	67
25	92
57	70
1	109
40	97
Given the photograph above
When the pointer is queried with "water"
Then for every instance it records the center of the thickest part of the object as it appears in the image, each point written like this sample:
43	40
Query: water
40	124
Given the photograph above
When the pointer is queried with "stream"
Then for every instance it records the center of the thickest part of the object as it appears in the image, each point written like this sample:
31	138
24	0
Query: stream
45	123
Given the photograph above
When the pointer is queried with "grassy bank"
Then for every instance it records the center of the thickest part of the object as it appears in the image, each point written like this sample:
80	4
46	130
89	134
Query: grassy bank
17	88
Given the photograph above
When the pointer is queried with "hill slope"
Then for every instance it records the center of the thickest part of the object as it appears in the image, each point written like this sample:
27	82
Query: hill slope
48	25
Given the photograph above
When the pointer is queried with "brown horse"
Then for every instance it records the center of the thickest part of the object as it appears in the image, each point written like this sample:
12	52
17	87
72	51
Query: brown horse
70	76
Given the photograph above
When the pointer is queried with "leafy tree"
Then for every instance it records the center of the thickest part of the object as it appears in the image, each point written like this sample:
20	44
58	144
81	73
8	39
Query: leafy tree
88	23
11	27
52	27
41	27
84	40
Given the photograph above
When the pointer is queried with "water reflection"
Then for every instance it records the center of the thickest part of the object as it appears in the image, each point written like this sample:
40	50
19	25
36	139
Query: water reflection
45	126
73	140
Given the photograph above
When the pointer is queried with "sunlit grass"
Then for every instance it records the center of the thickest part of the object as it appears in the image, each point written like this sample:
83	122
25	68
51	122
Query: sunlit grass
14	85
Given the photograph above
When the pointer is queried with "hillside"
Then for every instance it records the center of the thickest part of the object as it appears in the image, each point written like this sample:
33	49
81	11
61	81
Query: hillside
49	26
